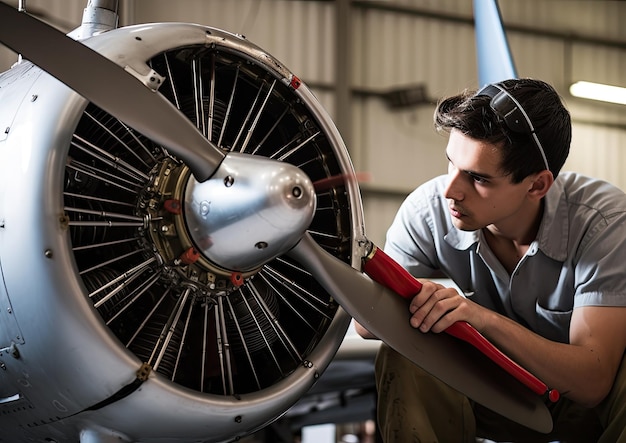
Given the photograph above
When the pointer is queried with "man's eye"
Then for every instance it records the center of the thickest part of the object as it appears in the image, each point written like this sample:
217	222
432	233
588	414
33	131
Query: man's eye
478	179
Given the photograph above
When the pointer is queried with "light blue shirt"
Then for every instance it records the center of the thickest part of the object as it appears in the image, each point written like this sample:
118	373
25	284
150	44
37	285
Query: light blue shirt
578	258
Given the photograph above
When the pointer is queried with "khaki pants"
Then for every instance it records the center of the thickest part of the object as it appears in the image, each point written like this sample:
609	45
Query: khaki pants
413	407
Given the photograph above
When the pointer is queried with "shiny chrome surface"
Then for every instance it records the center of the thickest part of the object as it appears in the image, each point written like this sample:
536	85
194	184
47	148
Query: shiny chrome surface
250	211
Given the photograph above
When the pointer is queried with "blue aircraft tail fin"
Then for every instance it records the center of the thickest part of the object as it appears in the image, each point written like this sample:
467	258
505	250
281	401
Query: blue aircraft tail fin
495	62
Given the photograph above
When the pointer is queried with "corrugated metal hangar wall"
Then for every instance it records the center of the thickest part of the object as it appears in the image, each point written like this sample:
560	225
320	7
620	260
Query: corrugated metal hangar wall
352	52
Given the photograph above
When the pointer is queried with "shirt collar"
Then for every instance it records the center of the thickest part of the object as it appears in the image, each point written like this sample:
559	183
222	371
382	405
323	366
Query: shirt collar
461	240
554	229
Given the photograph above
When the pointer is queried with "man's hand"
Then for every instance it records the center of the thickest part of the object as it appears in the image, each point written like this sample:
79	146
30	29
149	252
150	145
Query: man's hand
436	307
582	370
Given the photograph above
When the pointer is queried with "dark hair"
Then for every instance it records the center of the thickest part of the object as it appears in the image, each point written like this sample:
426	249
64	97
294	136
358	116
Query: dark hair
472	115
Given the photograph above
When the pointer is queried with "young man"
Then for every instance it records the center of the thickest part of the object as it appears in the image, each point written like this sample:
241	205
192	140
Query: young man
541	259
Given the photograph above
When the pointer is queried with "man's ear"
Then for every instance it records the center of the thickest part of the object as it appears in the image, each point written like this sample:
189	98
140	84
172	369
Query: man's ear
540	184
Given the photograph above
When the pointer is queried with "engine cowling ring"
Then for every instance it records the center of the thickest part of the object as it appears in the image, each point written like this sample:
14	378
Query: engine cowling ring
267	336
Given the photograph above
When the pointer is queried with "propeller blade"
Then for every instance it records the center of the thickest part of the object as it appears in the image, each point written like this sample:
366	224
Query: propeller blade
383	269
110	87
453	361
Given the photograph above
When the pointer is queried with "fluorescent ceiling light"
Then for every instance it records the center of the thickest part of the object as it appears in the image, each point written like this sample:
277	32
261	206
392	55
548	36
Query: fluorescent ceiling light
598	91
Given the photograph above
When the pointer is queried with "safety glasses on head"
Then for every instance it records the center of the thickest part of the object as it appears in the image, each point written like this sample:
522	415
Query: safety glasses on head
509	110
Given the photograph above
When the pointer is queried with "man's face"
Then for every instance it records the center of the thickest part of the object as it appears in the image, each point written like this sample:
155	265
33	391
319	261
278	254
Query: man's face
479	193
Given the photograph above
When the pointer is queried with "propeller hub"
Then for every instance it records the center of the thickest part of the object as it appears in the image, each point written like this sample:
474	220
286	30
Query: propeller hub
250	211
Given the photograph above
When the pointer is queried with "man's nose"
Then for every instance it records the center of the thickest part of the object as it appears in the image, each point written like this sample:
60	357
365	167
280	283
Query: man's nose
453	189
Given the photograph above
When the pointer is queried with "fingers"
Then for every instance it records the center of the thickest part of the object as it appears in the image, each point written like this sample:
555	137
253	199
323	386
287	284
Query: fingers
430	307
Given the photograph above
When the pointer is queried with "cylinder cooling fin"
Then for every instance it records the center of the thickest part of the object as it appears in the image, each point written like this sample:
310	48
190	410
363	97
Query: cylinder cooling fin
206	328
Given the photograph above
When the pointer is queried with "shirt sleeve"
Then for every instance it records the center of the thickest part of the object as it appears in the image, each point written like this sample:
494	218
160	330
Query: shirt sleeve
410	239
600	264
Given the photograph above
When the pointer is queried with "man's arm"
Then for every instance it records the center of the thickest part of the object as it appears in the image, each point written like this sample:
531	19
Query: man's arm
583	370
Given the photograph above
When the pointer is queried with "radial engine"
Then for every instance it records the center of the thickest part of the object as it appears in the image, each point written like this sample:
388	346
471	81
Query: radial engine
137	303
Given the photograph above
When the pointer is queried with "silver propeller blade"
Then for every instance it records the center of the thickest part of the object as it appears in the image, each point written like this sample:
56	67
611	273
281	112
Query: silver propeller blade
110	87
453	361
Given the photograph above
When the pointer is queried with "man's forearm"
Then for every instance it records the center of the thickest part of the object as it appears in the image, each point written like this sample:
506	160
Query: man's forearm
576	371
